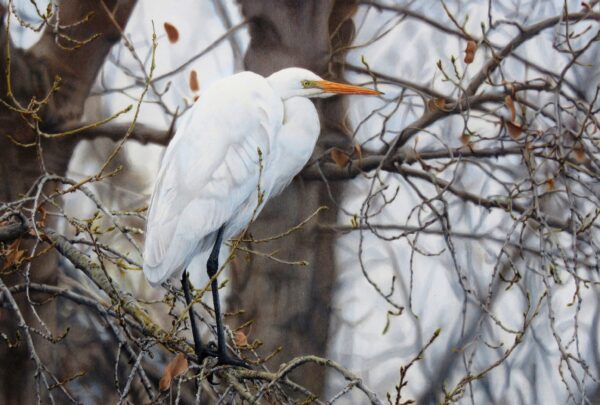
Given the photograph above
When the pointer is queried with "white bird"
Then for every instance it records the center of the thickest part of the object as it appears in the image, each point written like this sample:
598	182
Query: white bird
208	184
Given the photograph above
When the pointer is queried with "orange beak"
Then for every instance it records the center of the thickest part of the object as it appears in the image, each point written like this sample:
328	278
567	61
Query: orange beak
340	88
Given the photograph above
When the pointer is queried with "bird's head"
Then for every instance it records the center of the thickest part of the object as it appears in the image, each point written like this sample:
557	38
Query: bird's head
298	82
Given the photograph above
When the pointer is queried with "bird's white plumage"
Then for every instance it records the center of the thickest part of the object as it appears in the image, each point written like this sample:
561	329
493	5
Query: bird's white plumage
210	171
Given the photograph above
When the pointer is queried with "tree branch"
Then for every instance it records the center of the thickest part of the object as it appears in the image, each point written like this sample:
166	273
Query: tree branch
526	34
141	133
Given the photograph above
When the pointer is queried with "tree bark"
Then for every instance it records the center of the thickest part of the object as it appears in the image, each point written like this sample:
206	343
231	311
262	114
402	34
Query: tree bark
291	305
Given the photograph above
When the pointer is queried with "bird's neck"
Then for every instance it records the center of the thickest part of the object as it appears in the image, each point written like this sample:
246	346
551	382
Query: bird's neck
301	125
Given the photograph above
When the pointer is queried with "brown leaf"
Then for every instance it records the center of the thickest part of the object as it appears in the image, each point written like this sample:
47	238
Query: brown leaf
436	104
165	381
42	221
579	152
176	367
465	139
240	339
172	32
550	184
194	83
340	157
508	101
470	51
514	130
471	46
13	255
180	365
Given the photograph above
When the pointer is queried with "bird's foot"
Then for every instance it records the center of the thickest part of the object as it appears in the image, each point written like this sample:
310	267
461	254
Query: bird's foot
223	358
204	354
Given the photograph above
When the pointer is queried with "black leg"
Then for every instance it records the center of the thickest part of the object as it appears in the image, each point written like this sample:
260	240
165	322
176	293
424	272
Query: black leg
212	267
201	352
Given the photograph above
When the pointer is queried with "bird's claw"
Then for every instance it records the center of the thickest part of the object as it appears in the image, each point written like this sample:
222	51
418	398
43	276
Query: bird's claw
205	353
225	359
222	359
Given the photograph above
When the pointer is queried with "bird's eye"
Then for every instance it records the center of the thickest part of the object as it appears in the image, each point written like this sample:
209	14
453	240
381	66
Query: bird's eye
305	83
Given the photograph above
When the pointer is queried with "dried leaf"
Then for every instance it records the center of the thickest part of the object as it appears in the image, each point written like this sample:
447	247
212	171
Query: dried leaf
240	339
340	157
579	152
465	139
172	32
436	104
470	51
176	367
180	365
13	255
510	104
514	130
471	46
42	221
550	184
358	150
165	381
194	83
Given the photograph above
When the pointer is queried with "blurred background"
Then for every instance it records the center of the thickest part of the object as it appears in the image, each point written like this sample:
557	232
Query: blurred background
441	246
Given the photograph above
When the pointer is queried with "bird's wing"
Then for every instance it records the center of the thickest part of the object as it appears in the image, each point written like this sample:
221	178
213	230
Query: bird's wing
209	170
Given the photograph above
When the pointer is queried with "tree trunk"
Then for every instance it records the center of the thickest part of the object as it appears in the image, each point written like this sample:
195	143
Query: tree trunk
291	305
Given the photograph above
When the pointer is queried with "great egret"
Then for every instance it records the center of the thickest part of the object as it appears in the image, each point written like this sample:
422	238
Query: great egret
208	184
